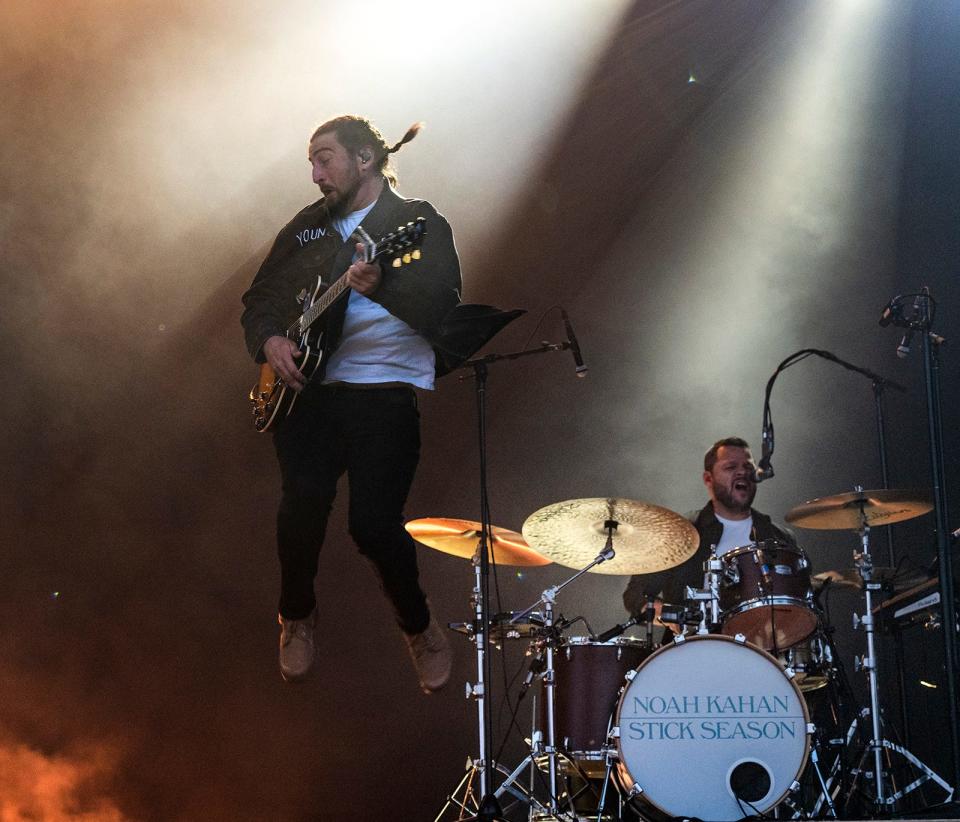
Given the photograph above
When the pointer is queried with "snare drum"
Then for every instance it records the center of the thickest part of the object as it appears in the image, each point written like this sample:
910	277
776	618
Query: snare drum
765	594
589	676
710	727
811	661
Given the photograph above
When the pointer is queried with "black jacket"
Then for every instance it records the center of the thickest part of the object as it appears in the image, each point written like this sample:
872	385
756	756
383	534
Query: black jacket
673	581
421	293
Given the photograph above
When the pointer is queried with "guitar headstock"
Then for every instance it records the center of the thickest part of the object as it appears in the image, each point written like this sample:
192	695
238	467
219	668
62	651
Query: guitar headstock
403	244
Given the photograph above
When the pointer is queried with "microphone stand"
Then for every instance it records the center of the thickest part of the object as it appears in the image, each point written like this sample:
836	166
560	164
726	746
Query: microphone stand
489	809
879	385
922	321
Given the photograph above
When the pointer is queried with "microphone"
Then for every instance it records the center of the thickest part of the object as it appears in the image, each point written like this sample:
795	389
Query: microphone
904	348
535	669
760	559
573	344
764	469
616	630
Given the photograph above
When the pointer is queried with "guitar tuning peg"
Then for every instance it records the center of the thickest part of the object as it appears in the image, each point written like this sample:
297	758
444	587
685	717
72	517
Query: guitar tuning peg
397	262
407	257
416	254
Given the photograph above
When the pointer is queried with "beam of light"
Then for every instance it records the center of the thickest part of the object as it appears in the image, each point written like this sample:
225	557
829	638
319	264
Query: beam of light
803	174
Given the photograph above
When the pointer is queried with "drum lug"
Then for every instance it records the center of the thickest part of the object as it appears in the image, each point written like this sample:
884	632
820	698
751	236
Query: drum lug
679	639
811	728
790	672
629	675
740	638
794	786
635	790
615	732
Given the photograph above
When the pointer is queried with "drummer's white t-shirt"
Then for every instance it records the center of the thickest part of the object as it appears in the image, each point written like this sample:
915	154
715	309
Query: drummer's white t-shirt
736	534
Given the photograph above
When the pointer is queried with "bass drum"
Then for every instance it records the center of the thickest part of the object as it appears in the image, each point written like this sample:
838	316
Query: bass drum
710	727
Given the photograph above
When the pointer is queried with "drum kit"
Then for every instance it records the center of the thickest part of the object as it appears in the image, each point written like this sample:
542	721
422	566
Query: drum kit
715	723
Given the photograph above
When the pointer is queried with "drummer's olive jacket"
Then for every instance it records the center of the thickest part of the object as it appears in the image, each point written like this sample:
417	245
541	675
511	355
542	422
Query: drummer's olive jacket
670	584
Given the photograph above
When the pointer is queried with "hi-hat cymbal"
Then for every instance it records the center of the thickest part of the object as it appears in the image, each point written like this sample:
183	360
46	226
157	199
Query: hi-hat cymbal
842	511
459	537
647	538
896	579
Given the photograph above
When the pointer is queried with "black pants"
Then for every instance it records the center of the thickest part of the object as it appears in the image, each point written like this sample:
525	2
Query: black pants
374	436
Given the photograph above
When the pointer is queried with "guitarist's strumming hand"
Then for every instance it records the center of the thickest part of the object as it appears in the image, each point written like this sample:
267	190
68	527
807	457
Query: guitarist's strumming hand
364	278
280	352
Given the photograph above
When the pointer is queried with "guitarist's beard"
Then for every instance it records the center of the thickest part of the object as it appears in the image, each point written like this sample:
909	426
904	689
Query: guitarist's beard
336	202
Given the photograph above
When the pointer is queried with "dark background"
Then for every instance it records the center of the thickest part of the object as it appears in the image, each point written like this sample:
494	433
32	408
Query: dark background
705	187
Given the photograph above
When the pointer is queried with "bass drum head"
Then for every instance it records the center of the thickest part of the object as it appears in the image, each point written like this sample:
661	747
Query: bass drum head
707	720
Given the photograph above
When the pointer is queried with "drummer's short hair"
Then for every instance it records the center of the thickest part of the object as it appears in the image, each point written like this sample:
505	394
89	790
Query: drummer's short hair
710	458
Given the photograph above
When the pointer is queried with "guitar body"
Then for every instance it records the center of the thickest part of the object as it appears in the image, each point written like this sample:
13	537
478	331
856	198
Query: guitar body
270	397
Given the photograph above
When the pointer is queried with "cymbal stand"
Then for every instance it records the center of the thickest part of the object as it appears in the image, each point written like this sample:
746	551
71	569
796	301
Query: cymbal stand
877	744
864	564
489	807
548	599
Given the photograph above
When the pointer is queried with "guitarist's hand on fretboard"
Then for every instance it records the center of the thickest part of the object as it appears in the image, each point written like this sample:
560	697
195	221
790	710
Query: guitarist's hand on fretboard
362	277
280	353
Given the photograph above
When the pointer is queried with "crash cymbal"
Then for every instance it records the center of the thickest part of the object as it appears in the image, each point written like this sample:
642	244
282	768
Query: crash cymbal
459	538
895	579
647	538
842	511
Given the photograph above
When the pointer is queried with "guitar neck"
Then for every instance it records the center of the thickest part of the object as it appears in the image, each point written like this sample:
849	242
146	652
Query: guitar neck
372	251
313	313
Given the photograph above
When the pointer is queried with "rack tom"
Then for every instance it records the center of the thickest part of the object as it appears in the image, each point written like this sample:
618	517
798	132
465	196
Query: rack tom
765	594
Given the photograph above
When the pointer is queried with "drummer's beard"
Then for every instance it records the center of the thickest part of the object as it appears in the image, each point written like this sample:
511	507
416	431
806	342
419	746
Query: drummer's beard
733	501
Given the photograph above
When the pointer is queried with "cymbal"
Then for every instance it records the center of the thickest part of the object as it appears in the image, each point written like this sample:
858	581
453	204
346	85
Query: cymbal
459	538
647	538
842	511
835	579
898	579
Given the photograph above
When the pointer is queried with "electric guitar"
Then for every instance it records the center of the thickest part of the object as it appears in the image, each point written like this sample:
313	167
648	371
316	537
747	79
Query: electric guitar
270	397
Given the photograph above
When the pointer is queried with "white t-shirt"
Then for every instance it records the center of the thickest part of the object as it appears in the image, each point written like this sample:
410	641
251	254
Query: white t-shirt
736	534
375	346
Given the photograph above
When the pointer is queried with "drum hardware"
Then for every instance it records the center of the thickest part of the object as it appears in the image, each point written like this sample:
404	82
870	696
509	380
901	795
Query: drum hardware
548	600
838	512
452	536
707	599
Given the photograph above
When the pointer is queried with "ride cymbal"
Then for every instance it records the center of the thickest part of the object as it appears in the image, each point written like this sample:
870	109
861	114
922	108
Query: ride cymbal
459	538
842	511
646	538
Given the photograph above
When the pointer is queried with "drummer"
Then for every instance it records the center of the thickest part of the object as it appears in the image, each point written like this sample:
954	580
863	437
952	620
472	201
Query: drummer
728	521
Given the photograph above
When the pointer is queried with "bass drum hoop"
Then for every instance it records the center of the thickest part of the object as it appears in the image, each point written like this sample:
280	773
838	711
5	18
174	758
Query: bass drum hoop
642	800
